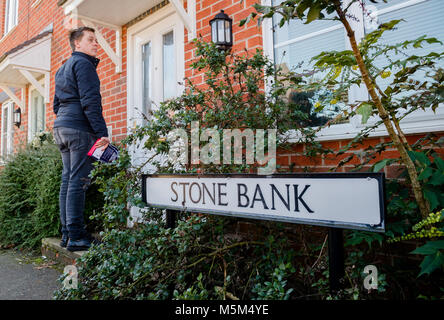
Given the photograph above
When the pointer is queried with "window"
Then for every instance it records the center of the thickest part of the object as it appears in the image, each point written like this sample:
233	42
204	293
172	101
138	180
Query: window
293	45
169	66
11	15
147	66
7	129
37	114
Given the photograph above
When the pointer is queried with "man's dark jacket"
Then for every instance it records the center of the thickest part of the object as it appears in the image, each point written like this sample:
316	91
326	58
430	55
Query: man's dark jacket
77	99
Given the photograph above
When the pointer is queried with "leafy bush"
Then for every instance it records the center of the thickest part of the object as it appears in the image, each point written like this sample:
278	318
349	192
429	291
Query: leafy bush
29	197
204	257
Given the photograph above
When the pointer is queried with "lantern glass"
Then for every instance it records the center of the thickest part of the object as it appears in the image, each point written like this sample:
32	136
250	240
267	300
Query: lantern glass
220	32
227	32
17	117
214	31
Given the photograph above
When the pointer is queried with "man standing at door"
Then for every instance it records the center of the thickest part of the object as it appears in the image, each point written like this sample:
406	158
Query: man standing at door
79	123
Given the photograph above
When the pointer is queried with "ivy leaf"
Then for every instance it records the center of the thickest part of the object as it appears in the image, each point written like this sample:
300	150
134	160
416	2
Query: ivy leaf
365	110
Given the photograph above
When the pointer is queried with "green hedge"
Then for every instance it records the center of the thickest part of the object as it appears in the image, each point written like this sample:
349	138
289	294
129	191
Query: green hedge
29	196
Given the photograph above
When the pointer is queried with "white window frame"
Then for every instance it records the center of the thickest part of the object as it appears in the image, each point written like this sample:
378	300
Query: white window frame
7	106
415	123
8	15
30	108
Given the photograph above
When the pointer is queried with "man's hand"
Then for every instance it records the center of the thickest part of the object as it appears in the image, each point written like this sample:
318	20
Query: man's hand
103	142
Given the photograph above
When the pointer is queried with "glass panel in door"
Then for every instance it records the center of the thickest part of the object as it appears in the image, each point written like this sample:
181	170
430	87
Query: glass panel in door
146	79
169	66
37	113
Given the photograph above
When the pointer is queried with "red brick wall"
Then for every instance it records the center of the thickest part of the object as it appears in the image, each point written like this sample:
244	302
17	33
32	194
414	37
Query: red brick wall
113	85
248	36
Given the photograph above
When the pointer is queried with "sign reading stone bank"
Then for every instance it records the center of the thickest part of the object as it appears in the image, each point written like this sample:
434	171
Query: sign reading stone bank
343	200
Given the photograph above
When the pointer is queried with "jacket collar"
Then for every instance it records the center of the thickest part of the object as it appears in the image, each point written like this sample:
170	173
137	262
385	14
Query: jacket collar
95	61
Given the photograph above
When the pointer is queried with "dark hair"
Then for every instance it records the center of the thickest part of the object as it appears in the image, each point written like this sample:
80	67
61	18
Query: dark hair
77	34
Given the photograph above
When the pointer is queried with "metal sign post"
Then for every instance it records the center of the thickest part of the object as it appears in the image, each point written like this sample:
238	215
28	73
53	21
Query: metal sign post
171	219
335	258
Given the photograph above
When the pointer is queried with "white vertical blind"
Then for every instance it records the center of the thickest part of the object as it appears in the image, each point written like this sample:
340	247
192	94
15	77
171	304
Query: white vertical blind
422	17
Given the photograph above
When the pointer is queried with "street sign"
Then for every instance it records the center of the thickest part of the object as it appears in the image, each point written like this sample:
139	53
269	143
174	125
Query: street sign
339	200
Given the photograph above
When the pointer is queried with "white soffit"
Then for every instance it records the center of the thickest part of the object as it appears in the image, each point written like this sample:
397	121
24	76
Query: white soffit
109	12
35	57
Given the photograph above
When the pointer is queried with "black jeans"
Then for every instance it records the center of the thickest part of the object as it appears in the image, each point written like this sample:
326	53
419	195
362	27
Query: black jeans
74	146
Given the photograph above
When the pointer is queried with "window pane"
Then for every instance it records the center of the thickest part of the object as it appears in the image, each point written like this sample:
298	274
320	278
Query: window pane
146	62
11	14
169	66
41	114
422	18
38	112
295	44
5	130
34	116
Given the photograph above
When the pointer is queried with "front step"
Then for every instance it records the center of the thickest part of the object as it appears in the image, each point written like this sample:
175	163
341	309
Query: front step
52	250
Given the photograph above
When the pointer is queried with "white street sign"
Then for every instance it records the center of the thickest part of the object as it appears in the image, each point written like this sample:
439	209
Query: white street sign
345	200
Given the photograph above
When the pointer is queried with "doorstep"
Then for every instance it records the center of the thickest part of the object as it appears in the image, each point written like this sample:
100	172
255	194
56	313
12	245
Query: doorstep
52	250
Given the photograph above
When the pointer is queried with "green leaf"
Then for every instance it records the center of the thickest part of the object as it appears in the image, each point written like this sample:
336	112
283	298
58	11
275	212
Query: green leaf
432	198
439	162
313	14
425	174
432	263
379	165
419	156
429	248
365	110
437	179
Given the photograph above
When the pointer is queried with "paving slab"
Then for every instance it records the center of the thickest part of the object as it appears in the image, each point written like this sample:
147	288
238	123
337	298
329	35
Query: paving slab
26	276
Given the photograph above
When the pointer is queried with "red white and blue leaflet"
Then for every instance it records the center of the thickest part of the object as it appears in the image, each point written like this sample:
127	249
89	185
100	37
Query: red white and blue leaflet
110	154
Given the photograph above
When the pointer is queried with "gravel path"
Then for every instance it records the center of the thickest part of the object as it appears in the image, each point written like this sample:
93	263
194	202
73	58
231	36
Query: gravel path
26	277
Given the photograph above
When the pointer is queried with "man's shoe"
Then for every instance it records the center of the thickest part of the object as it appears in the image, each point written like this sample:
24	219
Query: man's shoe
78	245
64	241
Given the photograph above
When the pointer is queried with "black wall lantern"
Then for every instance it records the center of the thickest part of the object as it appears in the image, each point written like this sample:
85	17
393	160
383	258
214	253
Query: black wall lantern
222	30
17	117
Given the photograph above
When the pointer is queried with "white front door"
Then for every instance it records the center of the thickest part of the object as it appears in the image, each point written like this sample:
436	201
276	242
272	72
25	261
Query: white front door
155	73
156	68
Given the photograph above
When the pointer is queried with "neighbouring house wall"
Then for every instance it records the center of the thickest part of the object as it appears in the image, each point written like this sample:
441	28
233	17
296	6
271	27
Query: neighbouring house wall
31	22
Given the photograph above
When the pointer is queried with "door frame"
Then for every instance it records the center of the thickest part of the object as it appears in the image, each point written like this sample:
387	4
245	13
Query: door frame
132	35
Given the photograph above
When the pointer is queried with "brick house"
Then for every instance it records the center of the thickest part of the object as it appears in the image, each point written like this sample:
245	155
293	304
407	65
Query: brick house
146	52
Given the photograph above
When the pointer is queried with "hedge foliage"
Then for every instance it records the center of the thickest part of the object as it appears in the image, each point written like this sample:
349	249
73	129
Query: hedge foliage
29	195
